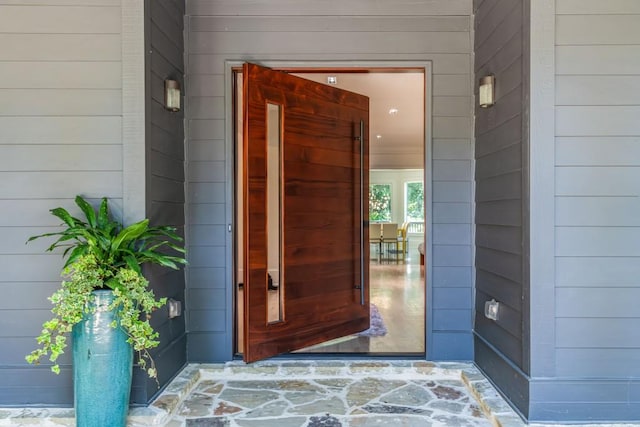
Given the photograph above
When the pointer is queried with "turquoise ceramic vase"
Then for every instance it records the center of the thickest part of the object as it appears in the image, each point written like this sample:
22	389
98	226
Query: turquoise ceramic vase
102	367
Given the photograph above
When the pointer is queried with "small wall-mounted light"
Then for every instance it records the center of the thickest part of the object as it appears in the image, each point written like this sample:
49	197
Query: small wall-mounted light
486	94
175	308
492	309
172	95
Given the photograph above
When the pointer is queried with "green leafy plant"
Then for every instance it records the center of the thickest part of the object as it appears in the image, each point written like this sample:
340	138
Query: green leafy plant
103	254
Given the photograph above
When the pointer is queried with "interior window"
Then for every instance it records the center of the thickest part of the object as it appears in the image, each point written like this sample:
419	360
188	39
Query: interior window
380	202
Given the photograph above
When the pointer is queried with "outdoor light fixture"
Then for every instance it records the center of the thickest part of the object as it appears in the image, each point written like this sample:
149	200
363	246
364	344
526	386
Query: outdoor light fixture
172	95
486	95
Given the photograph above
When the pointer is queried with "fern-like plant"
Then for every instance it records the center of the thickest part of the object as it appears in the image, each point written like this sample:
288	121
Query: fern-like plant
103	254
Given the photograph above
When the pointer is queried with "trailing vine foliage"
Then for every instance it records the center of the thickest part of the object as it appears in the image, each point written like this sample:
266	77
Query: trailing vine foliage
102	254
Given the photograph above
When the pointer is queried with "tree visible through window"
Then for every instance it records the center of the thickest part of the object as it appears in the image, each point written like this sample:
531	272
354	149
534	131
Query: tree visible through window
414	201
379	202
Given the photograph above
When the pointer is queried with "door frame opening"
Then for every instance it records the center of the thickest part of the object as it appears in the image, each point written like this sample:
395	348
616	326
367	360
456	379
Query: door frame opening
424	67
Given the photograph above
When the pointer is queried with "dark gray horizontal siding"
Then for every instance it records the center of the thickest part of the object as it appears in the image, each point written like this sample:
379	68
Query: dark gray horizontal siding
335	31
53	390
165	181
500	174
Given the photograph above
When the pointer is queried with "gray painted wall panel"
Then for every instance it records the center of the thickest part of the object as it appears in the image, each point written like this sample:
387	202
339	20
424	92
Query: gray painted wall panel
603	332
206	278
443	63
591	302
55	102
452	345
448	191
205	346
597	271
334	7
451	170
607	120
61	130
451	276
37	185
598	241
452	234
601	29
612	59
452	298
582	362
597	90
452	320
452	106
60	68
451	256
61	75
444	149
207	299
62	2
364	42
597	151
56	157
60	19
597	181
364	23
597	210
358	30
596	7
455	213
60	47
206	171
205	150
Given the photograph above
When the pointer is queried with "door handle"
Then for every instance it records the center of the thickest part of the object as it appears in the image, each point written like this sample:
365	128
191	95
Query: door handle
362	224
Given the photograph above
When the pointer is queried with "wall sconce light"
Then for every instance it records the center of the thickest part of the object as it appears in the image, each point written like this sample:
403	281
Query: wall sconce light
172	95
486	95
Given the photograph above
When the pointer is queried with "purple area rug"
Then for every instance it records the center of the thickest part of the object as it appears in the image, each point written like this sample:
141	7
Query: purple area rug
377	328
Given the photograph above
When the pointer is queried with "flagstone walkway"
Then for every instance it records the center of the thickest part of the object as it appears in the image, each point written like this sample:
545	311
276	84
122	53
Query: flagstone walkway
330	394
306	393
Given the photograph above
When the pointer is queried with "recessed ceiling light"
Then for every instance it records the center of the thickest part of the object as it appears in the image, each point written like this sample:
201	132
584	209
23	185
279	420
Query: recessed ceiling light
393	111
378	137
332	80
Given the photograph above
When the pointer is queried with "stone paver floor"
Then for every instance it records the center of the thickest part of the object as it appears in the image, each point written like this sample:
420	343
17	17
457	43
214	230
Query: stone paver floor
332	393
312	393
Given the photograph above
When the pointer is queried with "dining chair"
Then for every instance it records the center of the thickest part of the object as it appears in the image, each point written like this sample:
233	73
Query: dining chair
375	234
390	235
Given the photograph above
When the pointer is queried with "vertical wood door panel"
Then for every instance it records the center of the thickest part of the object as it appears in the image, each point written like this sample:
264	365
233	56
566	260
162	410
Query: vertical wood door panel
324	179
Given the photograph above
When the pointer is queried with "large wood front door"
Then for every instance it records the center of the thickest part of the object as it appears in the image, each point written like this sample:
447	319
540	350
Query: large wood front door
323	162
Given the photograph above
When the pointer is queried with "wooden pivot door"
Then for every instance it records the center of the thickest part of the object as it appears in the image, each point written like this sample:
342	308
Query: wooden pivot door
314	187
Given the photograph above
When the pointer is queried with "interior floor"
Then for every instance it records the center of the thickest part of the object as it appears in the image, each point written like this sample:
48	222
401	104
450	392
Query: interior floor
397	288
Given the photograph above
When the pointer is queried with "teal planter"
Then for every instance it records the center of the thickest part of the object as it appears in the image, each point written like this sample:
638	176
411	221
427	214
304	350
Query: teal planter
102	367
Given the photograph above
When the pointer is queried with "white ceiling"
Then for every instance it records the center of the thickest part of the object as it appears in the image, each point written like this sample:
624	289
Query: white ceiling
401	145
